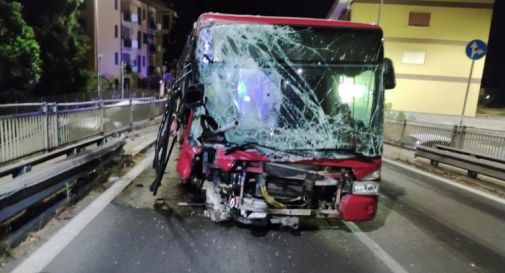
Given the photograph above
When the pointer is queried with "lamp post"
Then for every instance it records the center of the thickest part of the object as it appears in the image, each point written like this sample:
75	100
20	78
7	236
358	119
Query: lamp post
98	56
123	64
98	87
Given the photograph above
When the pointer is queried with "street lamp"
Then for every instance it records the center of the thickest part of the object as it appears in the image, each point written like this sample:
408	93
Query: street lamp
123	65
98	56
98	87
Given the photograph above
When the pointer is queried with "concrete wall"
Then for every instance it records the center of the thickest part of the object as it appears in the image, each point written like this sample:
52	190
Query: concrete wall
438	85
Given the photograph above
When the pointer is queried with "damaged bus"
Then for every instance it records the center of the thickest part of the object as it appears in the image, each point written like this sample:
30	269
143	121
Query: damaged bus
278	118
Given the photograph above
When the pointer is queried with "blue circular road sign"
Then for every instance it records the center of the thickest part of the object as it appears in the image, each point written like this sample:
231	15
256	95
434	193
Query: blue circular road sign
476	49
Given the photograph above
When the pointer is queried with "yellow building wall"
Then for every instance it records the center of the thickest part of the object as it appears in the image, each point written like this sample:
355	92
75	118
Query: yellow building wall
438	85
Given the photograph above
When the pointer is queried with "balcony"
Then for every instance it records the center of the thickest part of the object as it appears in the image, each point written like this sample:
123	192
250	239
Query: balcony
127	43
152	24
134	18
126	32
127	16
152	70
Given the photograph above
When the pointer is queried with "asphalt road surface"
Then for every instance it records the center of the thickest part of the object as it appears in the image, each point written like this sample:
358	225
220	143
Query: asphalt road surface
422	226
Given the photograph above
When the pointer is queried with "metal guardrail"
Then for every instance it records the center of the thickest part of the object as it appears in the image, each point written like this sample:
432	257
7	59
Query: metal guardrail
29	128
413	135
29	200
474	163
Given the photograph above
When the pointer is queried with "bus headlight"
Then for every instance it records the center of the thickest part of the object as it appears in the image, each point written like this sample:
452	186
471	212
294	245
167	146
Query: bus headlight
365	188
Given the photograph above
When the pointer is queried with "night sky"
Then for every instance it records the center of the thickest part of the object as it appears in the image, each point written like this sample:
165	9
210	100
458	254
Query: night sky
494	72
189	10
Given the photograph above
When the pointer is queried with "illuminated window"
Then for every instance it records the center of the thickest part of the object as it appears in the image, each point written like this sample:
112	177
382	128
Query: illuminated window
419	19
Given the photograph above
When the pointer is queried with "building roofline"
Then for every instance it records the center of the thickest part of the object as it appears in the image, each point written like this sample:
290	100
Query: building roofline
159	5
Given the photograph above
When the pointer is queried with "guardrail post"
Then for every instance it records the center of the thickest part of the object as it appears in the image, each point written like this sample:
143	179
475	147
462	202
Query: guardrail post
454	134
45	109
404	129
458	136
131	112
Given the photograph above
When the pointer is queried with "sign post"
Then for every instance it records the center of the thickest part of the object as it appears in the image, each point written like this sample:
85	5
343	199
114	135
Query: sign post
475	50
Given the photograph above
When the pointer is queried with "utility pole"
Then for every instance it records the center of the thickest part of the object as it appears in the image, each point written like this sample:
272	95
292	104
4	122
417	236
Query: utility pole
98	57
379	17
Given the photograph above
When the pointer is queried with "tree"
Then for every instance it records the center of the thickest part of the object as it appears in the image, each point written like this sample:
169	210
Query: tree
63	45
20	64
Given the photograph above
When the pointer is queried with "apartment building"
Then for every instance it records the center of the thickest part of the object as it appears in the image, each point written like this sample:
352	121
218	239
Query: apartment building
126	38
426	39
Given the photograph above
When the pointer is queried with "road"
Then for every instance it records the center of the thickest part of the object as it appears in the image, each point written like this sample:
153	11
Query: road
422	226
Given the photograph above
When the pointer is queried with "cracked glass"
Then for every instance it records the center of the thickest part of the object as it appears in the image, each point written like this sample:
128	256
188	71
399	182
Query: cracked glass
307	91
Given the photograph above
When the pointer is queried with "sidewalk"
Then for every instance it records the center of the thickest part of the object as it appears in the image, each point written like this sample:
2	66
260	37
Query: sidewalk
483	183
140	140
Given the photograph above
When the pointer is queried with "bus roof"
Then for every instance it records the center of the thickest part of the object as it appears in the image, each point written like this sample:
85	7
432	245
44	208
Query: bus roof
292	21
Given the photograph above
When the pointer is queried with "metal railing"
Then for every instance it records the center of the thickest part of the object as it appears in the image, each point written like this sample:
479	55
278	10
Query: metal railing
413	134
45	126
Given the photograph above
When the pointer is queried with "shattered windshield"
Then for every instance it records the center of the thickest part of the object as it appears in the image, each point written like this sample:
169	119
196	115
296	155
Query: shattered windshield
314	91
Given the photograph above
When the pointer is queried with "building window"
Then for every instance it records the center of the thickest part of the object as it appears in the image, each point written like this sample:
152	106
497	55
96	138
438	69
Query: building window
144	61
419	19
116	58
116	31
143	15
139	12
139	39
115	5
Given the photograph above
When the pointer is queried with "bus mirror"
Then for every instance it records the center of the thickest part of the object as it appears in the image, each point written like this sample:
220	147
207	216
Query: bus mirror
193	96
389	74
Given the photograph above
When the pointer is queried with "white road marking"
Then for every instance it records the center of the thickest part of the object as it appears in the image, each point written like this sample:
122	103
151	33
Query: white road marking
447	181
39	259
389	261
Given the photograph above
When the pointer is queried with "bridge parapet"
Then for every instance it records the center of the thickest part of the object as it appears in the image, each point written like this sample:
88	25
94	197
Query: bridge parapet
28	128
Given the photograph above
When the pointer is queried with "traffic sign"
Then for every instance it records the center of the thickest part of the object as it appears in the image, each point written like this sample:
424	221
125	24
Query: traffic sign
476	49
